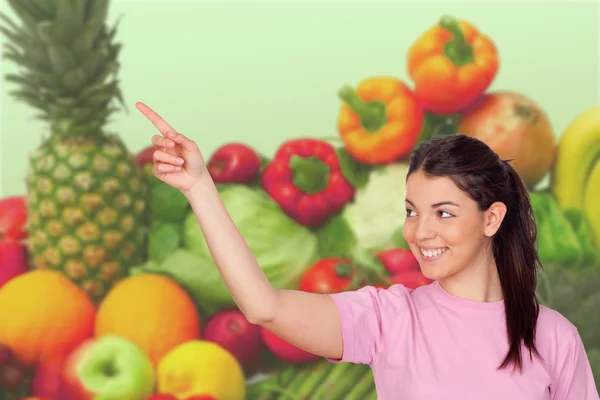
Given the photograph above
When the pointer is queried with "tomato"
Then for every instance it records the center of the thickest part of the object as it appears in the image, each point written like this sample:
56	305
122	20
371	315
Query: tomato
380	286
410	279
329	275
13	216
398	260
284	350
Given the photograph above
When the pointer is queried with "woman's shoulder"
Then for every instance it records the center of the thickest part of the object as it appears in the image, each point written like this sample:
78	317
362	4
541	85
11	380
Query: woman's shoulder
554	329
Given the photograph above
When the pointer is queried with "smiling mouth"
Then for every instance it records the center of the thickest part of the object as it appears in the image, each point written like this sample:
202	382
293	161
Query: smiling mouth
432	254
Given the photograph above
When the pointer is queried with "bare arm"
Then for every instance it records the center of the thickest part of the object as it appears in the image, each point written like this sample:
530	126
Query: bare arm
307	320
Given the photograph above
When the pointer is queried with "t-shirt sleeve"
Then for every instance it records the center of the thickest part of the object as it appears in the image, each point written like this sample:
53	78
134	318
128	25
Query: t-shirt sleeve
362	316
573	378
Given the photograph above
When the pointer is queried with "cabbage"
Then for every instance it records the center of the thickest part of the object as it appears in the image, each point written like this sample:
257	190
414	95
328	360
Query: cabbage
284	249
378	211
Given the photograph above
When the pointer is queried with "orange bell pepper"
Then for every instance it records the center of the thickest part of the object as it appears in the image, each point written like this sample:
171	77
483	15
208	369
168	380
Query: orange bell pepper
451	65
380	121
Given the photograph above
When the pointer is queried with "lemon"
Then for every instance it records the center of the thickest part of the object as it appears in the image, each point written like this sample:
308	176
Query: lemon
199	367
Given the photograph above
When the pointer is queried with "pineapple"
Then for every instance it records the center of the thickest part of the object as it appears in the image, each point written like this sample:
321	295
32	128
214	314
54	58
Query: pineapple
87	198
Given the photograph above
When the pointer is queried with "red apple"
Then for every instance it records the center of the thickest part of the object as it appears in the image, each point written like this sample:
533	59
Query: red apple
13	217
145	161
145	156
72	387
398	260
13	260
11	377
48	380
6	355
230	329
410	279
286	351
234	162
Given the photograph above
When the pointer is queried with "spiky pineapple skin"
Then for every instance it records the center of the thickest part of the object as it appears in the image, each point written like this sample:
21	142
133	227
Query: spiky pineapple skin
88	213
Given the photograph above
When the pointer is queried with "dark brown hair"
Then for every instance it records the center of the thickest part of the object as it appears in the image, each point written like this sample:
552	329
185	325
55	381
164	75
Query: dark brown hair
484	177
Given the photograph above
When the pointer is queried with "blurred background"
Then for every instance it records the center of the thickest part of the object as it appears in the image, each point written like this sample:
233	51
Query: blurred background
81	211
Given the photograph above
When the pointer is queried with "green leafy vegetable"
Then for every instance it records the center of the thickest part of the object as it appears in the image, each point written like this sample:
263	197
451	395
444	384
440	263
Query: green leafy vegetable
168	203
398	241
163	238
378	209
573	292
336	238
557	241
585	235
439	125
284	249
355	172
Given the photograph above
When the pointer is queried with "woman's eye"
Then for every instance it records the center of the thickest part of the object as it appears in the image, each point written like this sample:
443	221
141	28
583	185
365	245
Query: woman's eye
408	212
447	214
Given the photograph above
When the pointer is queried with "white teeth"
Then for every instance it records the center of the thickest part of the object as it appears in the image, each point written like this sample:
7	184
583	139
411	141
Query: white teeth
433	252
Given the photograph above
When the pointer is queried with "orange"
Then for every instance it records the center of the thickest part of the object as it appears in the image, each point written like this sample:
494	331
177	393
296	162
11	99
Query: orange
150	310
42	312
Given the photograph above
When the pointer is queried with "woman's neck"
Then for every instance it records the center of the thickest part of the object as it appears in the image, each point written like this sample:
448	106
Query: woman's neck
479	281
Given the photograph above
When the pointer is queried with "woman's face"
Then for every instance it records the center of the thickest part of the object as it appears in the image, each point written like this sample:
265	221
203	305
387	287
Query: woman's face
444	228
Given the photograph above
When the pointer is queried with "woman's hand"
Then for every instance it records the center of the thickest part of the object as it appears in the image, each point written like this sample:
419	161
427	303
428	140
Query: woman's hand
177	161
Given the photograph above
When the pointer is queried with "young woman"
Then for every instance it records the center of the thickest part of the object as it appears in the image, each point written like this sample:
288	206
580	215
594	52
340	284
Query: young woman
477	332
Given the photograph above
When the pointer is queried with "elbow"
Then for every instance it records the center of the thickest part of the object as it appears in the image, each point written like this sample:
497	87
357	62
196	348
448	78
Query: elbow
263	312
256	317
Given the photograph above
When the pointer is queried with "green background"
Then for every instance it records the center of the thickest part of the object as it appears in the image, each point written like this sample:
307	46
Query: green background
263	72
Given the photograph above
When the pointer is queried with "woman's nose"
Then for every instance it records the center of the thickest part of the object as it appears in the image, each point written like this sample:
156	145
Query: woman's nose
424	230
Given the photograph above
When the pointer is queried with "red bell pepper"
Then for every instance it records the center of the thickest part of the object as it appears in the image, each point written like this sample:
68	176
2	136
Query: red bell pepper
306	180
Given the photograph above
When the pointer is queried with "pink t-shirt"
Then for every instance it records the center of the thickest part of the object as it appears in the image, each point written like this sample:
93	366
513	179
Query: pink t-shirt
427	344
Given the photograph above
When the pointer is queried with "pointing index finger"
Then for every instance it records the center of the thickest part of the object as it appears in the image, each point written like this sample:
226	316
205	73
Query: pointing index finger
156	119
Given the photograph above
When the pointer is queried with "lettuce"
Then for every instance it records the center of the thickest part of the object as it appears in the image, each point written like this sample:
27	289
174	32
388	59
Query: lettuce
378	211
284	249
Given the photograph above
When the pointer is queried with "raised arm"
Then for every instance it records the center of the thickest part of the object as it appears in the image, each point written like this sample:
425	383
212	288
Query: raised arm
307	320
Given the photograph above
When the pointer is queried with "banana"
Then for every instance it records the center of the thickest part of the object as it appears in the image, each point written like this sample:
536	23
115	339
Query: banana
576	164
591	202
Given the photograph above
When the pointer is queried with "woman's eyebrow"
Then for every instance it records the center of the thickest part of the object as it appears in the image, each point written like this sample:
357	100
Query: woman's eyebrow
445	203
441	203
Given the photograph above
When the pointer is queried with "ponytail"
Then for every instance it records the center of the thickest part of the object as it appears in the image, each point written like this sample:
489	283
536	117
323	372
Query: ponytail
515	253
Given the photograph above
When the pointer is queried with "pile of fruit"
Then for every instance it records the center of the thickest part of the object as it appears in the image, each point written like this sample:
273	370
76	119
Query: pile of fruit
107	287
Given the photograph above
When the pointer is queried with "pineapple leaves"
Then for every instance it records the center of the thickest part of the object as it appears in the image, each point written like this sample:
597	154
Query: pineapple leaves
37	54
26	82
14	33
30	97
23	11
15	38
93	63
68	62
69	20
44	8
45	32
11	24
93	27
62	59
74	79
99	11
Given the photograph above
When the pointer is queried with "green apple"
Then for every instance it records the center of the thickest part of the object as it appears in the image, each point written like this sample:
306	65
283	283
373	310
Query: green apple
111	368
